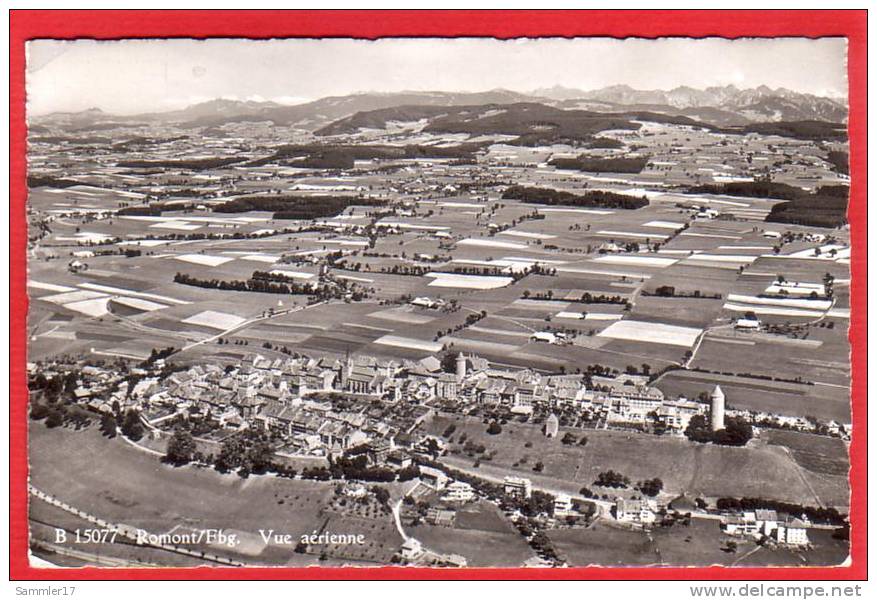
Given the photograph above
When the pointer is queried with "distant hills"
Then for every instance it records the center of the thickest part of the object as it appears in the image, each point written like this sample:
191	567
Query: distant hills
724	104
532	123
716	106
310	115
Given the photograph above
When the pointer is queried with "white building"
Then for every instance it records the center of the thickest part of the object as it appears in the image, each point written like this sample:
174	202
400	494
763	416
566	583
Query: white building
434	478
747	324
517	487
792	534
459	491
411	549
544	336
563	506
641	512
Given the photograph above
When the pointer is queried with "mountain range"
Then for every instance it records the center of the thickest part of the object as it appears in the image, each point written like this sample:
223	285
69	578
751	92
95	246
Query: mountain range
718	106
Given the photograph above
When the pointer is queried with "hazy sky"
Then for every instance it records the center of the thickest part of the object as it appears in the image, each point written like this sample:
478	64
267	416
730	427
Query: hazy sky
155	75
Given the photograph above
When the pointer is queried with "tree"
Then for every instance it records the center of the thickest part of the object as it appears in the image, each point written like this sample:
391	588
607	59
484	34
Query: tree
651	487
494	428
108	425
38	412
180	448
613	479
132	428
258	457
409	473
231	455
55	417
381	495
737	431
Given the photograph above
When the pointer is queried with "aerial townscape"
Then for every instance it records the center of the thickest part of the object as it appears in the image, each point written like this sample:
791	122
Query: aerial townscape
559	328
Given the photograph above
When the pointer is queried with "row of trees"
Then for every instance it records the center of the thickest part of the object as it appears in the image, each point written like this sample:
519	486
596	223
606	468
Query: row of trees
594	164
590	199
818	514
737	431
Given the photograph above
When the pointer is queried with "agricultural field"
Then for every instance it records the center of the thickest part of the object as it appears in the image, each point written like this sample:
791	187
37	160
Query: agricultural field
112	480
481	534
765	470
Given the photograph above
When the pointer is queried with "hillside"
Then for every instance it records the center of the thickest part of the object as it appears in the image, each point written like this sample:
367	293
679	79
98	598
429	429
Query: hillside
533	123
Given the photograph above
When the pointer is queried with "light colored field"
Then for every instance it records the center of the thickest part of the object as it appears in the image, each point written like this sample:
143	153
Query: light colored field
711	235
485	243
139	303
51	287
203	259
358	243
96	307
664	224
720	258
796	288
145	243
540	304
413	227
655	333
75	296
771	310
633	234
591	316
115	290
505	264
786	302
293	274
85	237
639	261
528	234
403	342
176	225
401	315
263	258
841	251
215	320
473	282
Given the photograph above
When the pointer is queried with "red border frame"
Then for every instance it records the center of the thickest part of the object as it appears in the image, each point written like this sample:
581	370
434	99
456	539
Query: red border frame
108	24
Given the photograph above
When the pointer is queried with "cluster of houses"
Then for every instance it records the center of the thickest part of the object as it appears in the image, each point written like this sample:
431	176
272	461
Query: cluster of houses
288	396
274	394
759	524
765	524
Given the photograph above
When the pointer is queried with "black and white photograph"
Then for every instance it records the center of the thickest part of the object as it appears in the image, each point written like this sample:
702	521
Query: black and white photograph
438	302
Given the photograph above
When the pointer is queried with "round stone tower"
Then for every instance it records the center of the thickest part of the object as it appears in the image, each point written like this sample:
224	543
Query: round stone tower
717	409
461	367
